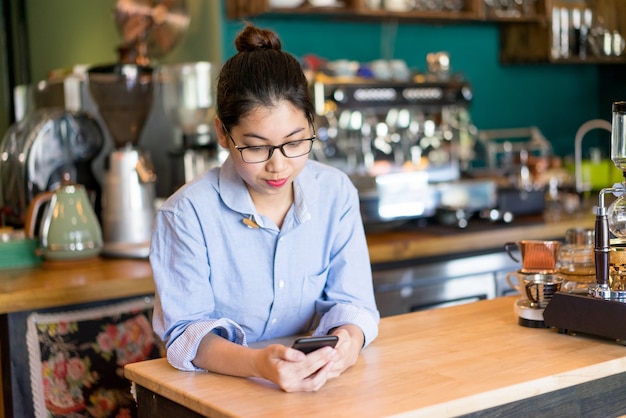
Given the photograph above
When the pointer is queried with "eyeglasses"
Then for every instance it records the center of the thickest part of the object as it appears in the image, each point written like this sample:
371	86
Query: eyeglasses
261	153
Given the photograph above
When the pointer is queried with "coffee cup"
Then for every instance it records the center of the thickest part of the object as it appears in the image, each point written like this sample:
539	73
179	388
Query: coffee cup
539	289
381	69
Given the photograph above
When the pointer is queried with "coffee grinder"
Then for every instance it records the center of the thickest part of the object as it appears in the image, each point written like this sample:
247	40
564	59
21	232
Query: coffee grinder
600	309
123	95
188	95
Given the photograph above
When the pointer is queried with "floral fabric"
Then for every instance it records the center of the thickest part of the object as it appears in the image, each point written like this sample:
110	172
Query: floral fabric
77	359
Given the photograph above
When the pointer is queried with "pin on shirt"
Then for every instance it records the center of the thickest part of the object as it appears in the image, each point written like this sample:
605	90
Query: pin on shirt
250	223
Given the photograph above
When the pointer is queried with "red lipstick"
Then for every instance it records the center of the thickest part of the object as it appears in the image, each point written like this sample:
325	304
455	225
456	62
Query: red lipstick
276	183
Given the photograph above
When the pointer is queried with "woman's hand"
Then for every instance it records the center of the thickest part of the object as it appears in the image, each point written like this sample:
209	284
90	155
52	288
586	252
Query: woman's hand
348	348
292	370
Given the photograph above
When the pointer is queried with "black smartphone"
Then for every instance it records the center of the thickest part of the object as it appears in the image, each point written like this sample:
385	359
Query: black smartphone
310	344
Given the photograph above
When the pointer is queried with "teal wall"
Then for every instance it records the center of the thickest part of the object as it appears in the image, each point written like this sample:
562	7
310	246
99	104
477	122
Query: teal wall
555	98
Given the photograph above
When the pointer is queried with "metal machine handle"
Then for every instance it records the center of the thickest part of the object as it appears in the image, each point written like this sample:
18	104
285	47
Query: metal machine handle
582	131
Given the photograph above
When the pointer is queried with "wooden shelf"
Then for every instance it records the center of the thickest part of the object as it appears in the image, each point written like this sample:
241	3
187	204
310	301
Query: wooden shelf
590	60
532	42
473	11
523	39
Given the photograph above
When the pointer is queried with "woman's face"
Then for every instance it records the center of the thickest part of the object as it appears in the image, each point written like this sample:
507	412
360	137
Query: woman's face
268	126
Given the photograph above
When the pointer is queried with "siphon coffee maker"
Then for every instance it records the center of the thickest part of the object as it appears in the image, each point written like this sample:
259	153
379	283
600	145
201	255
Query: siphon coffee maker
123	95
600	309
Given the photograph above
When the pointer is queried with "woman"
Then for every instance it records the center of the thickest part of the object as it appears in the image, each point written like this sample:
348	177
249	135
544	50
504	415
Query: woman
271	244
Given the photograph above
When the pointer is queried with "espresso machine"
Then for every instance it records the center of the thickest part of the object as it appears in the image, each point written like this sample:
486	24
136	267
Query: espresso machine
403	142
123	96
600	309
188	96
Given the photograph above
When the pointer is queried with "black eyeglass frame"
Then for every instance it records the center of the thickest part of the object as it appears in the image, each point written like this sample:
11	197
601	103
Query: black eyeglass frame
271	148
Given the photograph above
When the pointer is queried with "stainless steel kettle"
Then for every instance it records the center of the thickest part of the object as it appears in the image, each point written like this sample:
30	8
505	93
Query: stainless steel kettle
69	228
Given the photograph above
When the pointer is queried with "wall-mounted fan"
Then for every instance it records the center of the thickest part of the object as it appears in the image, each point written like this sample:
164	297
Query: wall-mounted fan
149	28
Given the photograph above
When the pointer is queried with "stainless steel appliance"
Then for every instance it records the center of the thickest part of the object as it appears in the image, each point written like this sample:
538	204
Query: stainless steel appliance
436	282
39	150
188	97
59	115
403	143
123	95
150	29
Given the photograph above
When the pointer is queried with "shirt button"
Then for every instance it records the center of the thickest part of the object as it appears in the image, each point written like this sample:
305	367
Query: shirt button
281	284
274	320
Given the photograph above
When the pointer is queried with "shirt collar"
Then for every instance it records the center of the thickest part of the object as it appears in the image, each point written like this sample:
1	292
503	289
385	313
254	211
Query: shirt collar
235	194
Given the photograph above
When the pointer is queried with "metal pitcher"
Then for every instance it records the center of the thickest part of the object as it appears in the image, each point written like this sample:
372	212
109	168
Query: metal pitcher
536	256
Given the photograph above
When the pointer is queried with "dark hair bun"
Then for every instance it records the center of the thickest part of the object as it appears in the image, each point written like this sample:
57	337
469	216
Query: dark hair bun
251	38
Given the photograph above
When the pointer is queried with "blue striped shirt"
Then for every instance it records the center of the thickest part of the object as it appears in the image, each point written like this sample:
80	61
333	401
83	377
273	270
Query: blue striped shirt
215	273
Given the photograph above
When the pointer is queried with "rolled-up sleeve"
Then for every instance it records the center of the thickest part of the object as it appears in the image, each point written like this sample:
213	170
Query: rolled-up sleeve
182	350
342	314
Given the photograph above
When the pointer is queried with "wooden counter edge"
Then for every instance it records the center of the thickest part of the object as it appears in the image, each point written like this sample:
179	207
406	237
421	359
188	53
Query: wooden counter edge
50	287
136	373
523	391
56	297
408	245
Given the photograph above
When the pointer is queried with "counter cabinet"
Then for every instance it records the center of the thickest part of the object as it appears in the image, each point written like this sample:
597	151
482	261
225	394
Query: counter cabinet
97	292
442	281
455	266
577	401
67	359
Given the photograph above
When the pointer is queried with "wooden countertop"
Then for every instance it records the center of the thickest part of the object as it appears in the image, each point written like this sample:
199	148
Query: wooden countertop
409	244
442	362
58	284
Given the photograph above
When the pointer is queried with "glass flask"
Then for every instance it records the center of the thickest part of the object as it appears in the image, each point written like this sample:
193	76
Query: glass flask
618	135
616	215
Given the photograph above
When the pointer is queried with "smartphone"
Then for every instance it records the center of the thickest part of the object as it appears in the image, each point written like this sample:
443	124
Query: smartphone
310	344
